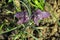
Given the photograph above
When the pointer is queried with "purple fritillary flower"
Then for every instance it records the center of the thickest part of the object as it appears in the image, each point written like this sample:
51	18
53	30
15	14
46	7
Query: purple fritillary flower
22	17
40	15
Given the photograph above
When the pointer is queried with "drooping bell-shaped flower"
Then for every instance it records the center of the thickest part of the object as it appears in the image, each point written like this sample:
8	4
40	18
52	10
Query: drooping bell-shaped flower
22	17
39	15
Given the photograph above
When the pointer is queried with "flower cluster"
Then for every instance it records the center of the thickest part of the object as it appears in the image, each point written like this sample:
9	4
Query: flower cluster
37	15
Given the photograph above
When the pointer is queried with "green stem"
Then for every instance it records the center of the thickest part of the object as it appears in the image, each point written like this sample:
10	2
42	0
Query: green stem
10	30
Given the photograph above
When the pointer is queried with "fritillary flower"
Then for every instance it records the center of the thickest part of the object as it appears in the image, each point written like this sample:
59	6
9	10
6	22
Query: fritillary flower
39	15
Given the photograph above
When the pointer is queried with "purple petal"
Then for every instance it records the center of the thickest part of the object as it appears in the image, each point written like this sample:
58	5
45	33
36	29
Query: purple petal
36	21
40	16
45	14
20	21
38	11
26	18
19	15
23	20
